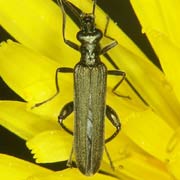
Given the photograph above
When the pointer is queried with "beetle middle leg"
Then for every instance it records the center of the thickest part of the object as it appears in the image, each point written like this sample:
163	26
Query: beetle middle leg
118	73
104	51
58	70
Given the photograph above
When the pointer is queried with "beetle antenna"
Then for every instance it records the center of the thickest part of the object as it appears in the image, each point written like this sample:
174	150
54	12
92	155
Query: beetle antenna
94	6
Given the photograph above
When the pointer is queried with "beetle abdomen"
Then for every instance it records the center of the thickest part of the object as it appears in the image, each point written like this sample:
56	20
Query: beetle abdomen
89	116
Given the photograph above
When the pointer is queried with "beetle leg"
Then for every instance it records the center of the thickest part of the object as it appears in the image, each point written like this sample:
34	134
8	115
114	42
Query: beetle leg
118	73
58	70
109	157
69	162
66	111
113	117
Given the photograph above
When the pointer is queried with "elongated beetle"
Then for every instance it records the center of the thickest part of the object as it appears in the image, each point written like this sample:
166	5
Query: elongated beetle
89	105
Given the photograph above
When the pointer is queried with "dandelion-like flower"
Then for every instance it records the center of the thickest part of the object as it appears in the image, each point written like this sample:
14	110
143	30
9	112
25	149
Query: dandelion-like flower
148	145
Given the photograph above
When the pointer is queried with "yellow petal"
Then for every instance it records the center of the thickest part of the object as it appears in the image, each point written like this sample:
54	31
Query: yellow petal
162	16
22	68
150	132
37	25
16	169
51	146
162	28
151	84
14	117
130	152
169	55
142	166
72	174
173	160
28	73
132	161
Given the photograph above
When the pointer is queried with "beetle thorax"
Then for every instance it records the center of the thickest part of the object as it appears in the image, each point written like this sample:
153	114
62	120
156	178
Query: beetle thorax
90	47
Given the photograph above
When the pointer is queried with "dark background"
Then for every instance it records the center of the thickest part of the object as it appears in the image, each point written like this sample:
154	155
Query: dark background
122	13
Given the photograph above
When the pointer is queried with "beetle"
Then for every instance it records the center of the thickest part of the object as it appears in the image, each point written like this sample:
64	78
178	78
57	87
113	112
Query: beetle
90	84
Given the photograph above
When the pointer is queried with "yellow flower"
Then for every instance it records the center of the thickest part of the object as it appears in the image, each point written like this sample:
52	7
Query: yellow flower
16	169
148	145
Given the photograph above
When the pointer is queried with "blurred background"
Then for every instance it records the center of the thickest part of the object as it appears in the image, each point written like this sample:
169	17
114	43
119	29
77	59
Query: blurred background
122	13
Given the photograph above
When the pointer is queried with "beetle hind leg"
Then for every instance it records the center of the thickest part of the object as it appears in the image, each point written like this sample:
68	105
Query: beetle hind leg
66	111
69	162
113	117
109	158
